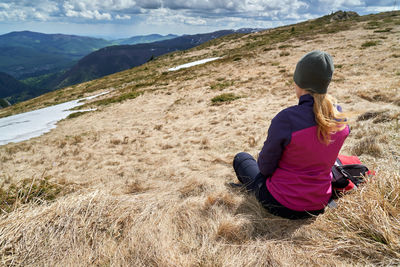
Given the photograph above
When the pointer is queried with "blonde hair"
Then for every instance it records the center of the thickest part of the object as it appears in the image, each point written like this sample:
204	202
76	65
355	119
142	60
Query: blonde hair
328	118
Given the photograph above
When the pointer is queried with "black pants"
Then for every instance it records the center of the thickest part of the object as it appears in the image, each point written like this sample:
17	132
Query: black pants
248	173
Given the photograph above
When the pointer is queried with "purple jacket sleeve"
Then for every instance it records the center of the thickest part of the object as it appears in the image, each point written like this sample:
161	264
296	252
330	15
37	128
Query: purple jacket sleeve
279	135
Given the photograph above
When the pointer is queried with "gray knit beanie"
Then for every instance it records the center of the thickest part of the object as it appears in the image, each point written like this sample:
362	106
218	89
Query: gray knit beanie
314	72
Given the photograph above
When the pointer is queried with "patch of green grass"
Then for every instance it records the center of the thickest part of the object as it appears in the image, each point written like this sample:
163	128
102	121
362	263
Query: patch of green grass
338	80
268	49
4	103
145	84
284	46
284	54
369	44
384	30
221	85
337	27
76	114
371	25
117	99
338	66
227	97
236	57
28	191
396	55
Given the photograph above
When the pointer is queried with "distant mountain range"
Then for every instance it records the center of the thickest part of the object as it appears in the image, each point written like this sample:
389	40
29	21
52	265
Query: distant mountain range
28	54
144	39
118	58
45	62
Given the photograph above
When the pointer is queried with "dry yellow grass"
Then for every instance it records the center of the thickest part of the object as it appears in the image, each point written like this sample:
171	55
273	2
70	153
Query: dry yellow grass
150	172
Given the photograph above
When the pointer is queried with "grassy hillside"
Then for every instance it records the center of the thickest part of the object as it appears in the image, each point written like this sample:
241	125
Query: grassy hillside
16	91
9	86
4	103
117	58
142	180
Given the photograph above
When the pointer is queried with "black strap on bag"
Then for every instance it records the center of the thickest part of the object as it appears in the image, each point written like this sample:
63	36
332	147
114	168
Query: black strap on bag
342	174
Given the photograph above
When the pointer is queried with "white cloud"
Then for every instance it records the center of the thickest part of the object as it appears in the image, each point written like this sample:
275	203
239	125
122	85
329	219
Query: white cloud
271	5
277	9
122	17
4	5
105	5
373	9
40	16
100	16
203	9
13	15
26	10
179	15
339	4
86	10
48	6
89	14
202	4
193	21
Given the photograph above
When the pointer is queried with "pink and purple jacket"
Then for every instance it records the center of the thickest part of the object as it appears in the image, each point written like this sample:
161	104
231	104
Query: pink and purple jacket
297	165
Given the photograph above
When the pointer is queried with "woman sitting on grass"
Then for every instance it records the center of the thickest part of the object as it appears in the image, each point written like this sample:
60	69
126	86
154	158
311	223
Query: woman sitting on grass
292	177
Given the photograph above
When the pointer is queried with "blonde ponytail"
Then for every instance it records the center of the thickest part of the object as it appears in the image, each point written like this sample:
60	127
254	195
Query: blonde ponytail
328	118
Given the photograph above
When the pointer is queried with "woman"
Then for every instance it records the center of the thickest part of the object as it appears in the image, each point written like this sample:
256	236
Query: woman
292	177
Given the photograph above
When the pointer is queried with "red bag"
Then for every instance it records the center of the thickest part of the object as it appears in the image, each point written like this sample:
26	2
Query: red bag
347	173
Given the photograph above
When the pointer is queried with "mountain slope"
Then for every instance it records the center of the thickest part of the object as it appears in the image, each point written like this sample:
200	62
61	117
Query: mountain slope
4	103
9	85
117	58
16	91
141	181
27	54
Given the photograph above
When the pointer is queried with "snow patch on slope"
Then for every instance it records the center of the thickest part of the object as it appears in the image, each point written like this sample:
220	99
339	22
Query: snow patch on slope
191	64
31	124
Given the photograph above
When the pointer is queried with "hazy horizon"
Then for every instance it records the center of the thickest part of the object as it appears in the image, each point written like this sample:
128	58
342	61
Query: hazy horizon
110	38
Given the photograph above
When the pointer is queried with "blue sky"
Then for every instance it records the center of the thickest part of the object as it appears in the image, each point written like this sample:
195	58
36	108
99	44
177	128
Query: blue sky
125	18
